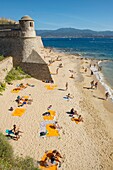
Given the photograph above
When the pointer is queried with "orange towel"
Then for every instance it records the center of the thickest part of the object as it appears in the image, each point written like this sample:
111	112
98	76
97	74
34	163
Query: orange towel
75	119
51	116
18	112
51	131
15	90
50	87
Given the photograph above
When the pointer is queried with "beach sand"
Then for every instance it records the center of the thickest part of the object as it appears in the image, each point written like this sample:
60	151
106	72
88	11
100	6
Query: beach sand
84	146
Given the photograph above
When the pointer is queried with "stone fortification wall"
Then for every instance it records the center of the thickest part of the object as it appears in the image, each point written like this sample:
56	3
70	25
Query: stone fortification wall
39	42
29	45
19	48
10	34
12	47
25	54
37	70
5	66
9	26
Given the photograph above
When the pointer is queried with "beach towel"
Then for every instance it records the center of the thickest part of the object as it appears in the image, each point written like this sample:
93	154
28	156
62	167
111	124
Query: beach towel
43	124
31	85
16	90
18	112
75	119
26	97
42	162
51	130
51	116
10	133
50	87
67	99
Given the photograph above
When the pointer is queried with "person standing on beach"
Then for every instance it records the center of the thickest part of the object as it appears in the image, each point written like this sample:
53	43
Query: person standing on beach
66	85
85	70
107	95
92	84
57	70
96	84
91	72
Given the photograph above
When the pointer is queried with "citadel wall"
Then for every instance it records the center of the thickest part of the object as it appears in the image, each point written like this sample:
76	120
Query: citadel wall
23	45
9	26
5	66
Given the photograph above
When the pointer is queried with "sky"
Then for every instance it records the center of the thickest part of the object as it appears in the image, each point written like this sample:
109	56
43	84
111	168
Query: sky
96	15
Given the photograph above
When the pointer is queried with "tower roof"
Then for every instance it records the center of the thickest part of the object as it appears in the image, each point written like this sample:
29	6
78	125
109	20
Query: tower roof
26	18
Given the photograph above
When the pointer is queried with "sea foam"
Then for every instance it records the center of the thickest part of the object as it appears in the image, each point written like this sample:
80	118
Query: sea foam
100	78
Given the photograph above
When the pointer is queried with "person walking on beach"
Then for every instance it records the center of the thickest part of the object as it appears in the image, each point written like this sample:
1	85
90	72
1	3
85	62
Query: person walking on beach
66	85
107	95
96	84
85	70
57	70
92	84
91	72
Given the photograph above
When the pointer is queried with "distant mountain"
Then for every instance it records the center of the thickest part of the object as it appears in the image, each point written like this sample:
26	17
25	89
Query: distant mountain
72	33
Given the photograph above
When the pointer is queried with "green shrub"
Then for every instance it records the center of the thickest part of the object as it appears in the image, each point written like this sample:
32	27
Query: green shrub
2	87
1	57
4	165
16	74
9	162
6	150
24	164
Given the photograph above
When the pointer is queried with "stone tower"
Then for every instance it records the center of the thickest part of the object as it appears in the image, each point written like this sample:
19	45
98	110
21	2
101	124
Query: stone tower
27	26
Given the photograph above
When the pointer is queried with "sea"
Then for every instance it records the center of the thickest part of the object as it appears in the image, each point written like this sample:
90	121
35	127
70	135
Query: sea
100	49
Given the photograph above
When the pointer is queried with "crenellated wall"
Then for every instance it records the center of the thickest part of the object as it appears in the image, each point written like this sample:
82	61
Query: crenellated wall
5	66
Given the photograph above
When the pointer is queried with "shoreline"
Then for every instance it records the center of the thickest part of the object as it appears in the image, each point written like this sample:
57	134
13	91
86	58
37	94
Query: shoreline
89	142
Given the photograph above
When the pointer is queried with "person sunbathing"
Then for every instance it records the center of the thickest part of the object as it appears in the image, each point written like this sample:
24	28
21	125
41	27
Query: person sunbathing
11	109
57	126
69	96
53	158
16	132
73	112
58	59
71	76
22	86
79	119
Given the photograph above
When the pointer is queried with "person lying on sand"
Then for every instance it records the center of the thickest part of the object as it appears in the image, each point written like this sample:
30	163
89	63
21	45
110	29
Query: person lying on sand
69	96
58	59
79	119
48	81
53	158
16	132
73	112
22	86
11	109
71	76
57	126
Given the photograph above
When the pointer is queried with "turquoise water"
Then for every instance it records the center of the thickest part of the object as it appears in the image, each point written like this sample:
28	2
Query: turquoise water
96	48
107	70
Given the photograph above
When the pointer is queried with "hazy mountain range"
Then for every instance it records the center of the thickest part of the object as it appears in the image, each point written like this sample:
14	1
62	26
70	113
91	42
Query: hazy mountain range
72	33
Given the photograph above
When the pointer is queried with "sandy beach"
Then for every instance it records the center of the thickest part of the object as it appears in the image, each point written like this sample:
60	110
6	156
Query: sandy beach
84	146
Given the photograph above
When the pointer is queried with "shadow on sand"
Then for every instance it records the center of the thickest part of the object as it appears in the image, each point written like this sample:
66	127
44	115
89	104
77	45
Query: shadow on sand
87	88
62	89
101	98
